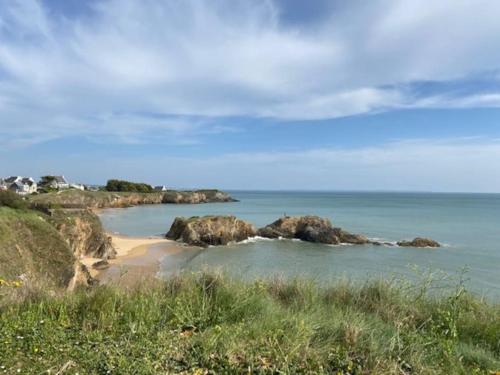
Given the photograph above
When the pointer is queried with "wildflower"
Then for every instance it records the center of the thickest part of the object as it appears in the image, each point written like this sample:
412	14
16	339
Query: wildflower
17	284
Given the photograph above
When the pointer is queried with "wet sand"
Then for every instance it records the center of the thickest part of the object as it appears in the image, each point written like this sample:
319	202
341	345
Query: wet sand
137	259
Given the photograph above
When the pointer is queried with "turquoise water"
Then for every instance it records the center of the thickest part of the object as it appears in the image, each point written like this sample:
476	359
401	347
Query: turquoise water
468	225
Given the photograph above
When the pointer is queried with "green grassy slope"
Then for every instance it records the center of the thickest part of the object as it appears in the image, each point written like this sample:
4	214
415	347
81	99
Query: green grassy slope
30	245
207	324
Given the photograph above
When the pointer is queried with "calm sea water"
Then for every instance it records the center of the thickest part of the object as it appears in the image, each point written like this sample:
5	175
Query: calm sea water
468	224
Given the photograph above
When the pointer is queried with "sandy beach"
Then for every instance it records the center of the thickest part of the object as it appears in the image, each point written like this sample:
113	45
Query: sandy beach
137	258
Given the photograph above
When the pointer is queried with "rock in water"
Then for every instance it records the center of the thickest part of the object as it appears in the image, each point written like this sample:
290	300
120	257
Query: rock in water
311	229
210	230
419	242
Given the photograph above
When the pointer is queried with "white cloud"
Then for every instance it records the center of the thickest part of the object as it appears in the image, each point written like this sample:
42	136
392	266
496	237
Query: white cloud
218	58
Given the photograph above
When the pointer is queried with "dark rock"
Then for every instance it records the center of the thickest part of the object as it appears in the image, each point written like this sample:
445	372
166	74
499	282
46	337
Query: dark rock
419	242
210	230
311	229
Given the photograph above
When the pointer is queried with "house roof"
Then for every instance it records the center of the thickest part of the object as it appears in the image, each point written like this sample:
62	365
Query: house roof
17	185
12	179
60	180
28	181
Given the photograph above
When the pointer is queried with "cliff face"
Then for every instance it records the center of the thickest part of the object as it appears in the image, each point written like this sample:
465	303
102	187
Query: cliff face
210	230
46	249
104	199
84	233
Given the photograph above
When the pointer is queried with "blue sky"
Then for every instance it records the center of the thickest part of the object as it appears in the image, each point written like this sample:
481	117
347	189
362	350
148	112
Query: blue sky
262	94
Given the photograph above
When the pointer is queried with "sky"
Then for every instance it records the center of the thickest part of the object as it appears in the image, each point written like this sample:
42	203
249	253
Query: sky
256	94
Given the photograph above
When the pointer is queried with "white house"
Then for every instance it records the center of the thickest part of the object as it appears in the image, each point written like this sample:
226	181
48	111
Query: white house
57	182
20	185
3	185
77	186
161	188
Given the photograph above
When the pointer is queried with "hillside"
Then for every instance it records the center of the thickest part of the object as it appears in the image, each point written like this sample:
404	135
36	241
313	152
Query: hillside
31	246
44	249
104	199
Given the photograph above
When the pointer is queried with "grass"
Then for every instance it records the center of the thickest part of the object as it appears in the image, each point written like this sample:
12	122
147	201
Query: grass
206	323
30	245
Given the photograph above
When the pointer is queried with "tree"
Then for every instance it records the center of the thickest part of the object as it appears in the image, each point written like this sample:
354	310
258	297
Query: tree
127	186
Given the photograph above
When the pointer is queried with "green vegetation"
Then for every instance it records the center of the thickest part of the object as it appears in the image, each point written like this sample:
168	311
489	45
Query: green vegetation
92	199
208	324
127	186
12	200
30	245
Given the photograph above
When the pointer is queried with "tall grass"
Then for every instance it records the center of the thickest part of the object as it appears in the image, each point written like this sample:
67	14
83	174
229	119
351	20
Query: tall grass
208	323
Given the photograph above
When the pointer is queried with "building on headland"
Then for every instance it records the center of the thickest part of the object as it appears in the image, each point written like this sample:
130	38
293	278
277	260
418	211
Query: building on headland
92	187
161	188
77	186
54	182
19	185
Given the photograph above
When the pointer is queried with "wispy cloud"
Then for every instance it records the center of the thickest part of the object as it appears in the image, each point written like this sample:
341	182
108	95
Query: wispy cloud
462	164
61	76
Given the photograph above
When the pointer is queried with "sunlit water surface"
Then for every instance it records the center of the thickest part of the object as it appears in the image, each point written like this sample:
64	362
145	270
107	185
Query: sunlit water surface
468	225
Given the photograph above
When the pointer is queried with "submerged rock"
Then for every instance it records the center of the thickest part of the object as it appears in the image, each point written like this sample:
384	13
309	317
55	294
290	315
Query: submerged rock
210	230
311	229
420	242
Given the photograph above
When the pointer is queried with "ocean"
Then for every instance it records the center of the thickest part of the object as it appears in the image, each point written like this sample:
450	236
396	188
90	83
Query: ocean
467	224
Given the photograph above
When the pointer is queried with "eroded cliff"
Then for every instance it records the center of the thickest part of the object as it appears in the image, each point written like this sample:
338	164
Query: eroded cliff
45	249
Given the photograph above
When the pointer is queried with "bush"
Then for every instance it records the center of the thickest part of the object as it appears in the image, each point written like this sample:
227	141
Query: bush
12	200
127	186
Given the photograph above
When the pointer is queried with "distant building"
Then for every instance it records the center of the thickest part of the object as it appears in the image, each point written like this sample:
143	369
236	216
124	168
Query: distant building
77	186
55	182
161	188
19	185
92	187
3	185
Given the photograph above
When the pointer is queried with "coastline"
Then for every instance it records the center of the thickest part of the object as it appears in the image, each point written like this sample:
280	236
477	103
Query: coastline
137	259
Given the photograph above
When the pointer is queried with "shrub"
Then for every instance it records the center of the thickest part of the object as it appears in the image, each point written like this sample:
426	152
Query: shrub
12	200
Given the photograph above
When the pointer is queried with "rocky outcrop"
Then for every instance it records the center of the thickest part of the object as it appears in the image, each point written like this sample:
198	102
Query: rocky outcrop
81	277
210	230
197	196
419	242
84	233
311	229
72	199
